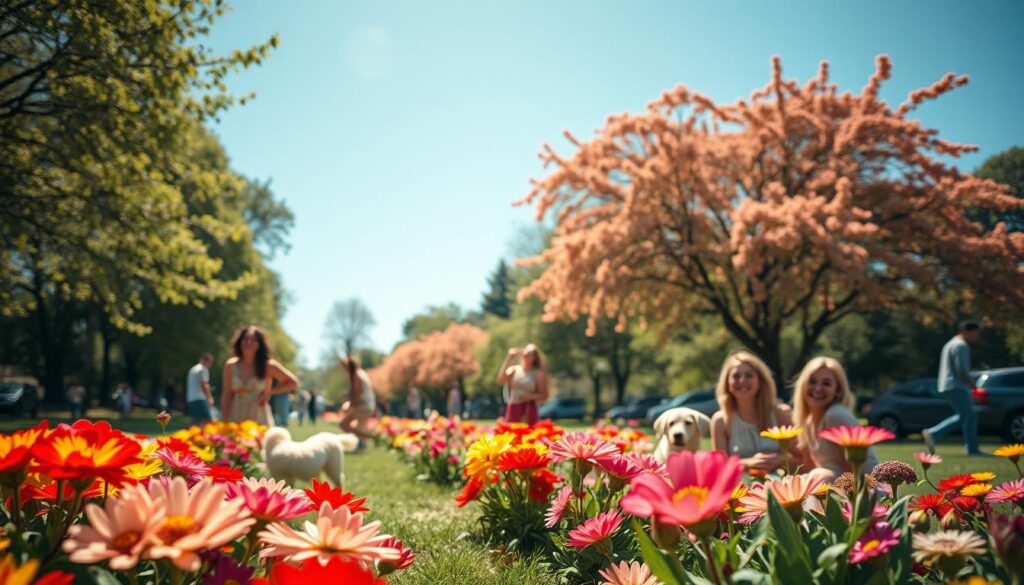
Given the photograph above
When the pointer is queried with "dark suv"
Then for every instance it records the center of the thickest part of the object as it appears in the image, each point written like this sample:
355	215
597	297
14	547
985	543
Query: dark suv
19	398
915	405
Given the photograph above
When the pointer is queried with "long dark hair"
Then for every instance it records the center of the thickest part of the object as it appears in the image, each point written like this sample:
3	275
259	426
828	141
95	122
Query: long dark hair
263	354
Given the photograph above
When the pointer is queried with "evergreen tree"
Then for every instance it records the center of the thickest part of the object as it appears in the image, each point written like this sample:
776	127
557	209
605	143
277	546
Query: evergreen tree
496	299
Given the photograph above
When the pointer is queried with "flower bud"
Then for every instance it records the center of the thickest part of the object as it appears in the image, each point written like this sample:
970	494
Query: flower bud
666	536
950	521
920	520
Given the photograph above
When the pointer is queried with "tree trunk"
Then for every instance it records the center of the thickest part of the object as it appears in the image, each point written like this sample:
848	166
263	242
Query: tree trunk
105	373
771	352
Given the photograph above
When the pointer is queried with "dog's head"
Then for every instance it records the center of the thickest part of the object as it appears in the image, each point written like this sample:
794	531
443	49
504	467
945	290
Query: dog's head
682	427
275	436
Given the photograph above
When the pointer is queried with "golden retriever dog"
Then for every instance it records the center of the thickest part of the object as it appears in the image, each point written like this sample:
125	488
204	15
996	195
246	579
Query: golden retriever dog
322	453
679	429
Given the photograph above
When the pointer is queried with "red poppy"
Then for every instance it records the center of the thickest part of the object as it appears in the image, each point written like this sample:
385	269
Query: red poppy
526	458
84	452
222	474
956	482
470	492
542	483
323	492
15	453
310	571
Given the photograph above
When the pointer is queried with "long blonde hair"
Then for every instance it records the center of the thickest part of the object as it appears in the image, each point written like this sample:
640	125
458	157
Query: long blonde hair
801	412
766	393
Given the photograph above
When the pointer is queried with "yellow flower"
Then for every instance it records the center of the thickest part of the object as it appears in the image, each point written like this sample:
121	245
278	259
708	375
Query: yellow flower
983	476
822	490
482	456
782	433
976	489
140	471
11	574
974	580
1011	452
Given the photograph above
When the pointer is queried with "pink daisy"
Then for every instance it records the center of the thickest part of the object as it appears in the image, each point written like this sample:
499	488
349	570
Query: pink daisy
624	573
119	532
183	464
595	530
879	512
336	533
268	500
582	446
927	460
621	468
856	436
554	513
1011	491
646	462
875	542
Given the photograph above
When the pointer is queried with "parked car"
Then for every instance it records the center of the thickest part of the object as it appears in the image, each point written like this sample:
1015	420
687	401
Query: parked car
563	407
634	408
20	398
700	400
481	407
915	405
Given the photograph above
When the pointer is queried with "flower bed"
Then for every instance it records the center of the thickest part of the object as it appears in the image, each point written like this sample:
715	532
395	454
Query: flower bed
88	503
601	512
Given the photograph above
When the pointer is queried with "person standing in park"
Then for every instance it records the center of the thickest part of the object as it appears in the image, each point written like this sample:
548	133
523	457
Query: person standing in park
250	376
956	384
123	399
76	401
413	403
302	400
527	383
455	401
362	403
198	396
281	407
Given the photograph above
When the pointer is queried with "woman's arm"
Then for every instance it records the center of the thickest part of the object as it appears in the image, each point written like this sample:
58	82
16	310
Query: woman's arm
228	394
719	433
286	380
503	371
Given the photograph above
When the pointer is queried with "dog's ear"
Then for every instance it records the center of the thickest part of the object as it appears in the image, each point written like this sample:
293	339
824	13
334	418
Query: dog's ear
703	422
662	423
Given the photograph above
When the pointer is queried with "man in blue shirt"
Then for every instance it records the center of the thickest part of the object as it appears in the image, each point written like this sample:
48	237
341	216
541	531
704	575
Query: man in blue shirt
956	384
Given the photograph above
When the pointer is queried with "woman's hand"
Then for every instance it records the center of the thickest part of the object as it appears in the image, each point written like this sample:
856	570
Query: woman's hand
764	461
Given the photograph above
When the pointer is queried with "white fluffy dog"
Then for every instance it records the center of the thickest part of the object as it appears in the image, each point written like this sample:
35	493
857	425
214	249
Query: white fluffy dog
679	429
291	460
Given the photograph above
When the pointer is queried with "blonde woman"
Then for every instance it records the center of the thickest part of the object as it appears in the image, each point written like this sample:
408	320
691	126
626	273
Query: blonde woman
823	400
748	405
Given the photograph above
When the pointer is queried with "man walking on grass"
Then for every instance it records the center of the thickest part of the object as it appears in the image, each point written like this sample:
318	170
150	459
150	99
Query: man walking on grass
197	391
956	384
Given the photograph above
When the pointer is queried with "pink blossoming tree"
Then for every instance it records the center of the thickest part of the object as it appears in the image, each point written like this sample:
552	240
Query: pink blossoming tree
790	209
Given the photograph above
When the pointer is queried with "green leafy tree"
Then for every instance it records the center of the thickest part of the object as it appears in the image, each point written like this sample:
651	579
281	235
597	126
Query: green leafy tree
437	318
497	299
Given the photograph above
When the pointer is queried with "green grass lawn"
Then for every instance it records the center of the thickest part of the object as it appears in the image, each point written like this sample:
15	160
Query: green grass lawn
425	517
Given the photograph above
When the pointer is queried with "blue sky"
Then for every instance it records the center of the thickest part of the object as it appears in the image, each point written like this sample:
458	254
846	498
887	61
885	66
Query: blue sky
399	133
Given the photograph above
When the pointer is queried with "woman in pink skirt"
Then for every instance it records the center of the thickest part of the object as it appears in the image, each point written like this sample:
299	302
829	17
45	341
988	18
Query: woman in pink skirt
527	384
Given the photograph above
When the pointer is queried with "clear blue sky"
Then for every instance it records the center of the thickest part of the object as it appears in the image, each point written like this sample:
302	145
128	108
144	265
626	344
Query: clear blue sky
400	132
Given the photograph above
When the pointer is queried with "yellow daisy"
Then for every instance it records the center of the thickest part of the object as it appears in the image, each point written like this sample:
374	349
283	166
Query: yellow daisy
1011	452
976	490
983	476
782	433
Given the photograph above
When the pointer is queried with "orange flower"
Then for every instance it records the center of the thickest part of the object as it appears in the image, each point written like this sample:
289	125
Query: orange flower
15	454
524	458
84	452
323	492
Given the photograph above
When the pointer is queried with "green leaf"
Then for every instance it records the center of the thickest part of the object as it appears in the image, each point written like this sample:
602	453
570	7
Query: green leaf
830	556
102	576
749	577
664	568
791	561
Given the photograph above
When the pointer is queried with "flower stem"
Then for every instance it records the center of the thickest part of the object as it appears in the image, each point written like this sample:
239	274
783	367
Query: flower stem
712	565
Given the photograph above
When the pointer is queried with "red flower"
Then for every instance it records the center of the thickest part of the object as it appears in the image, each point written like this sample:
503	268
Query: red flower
956	482
542	483
84	452
222	474
525	458
310	571
470	492
177	445
405	559
55	578
934	503
48	492
323	492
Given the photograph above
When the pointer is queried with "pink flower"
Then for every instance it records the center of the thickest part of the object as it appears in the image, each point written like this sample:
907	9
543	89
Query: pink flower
196	520
698	488
594	530
790	492
120	532
624	573
1011	491
336	533
405	556
554	513
879	512
582	446
928	459
268	500
646	462
874	542
183	464
621	468
856	436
